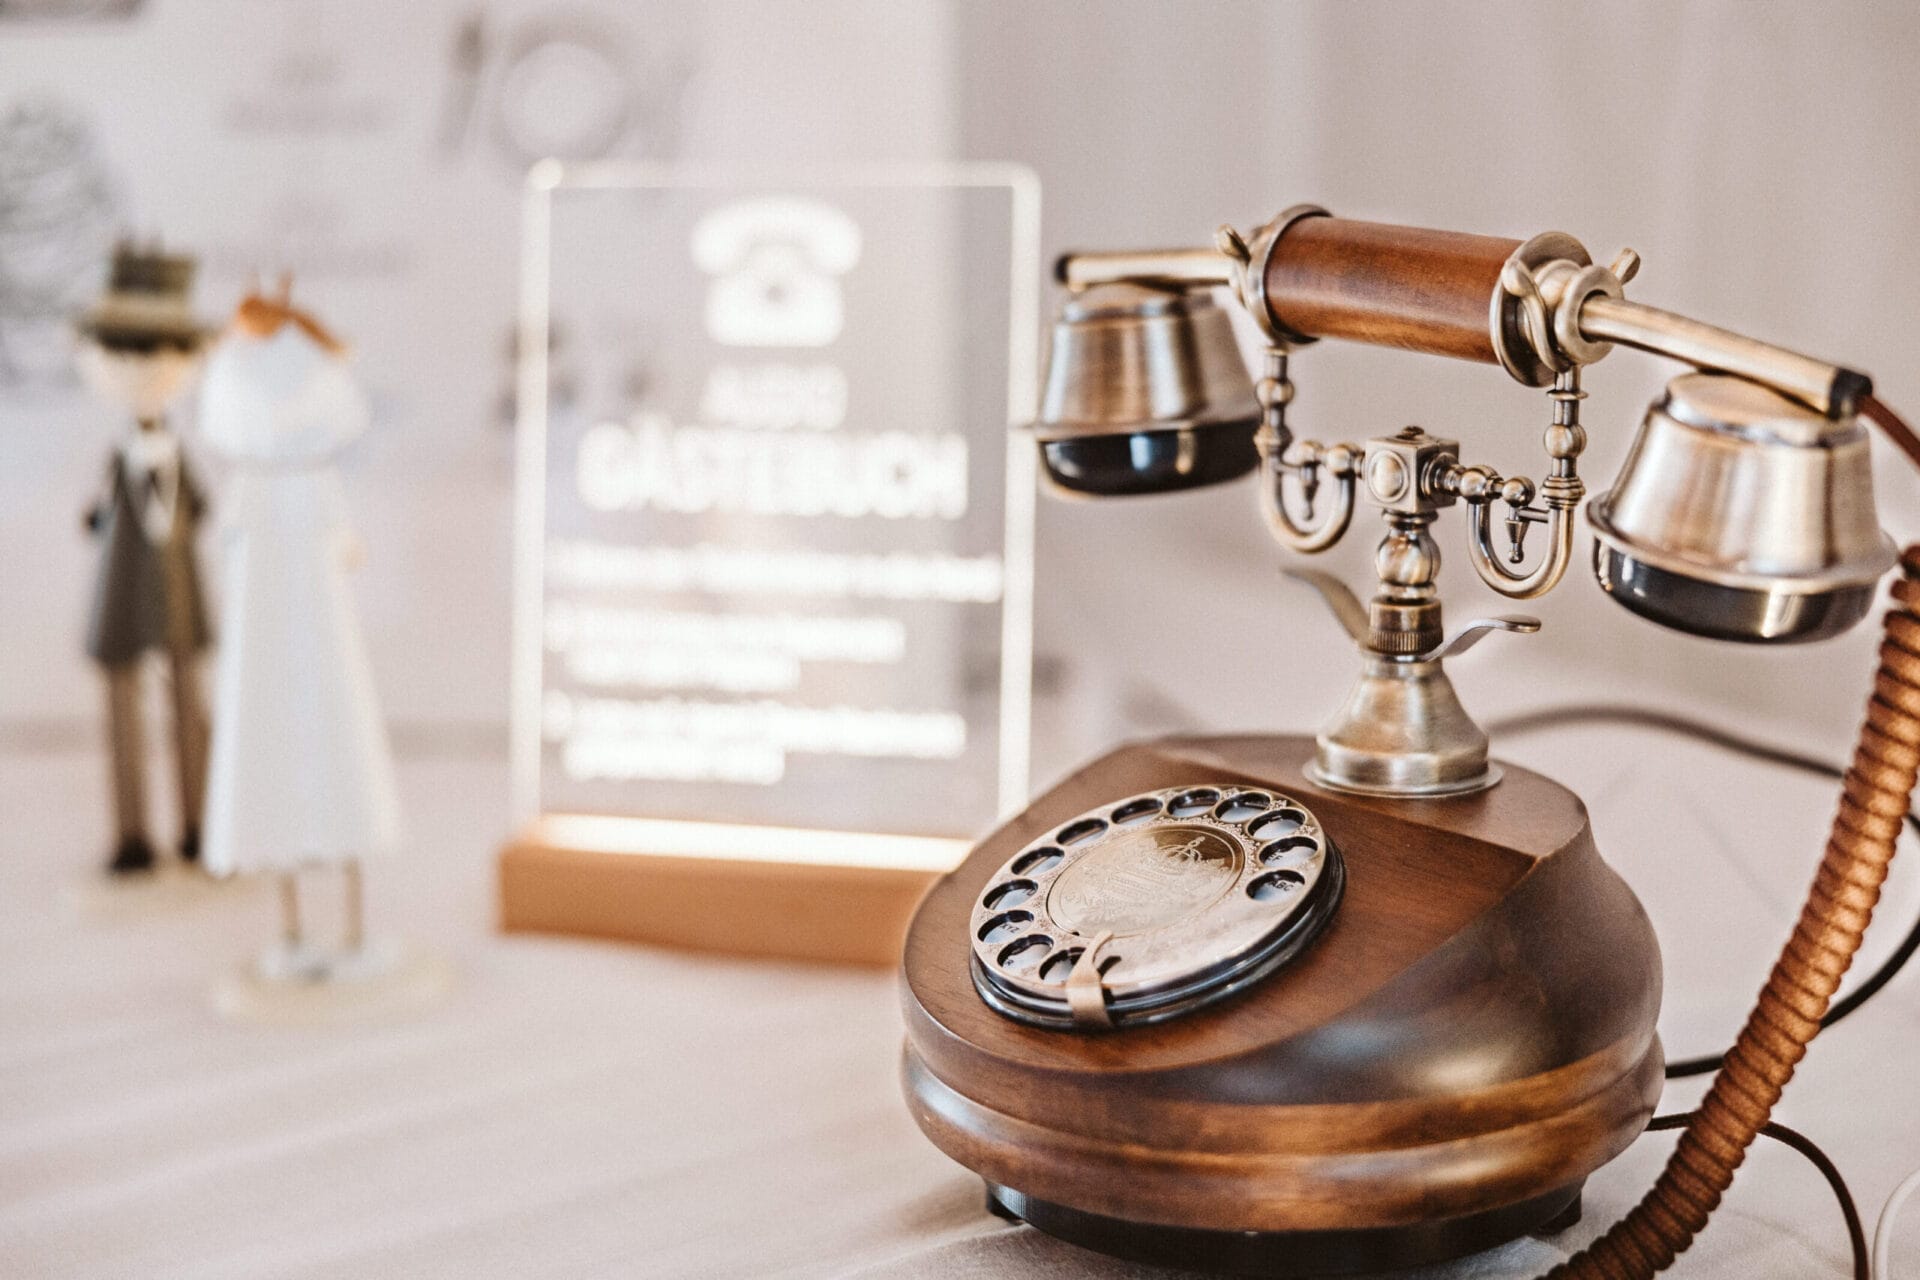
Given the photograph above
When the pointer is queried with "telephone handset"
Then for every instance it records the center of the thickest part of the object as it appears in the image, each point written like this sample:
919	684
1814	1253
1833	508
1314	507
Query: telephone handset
775	262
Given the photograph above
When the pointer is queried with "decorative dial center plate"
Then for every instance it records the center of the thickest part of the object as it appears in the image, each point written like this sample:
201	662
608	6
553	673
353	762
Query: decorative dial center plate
1153	906
1144	880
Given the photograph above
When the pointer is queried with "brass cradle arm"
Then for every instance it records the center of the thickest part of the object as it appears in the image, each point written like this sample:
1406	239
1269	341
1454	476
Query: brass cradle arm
1545	574
1342	464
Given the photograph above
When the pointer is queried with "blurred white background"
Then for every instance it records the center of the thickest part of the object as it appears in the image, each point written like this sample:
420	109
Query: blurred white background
1760	156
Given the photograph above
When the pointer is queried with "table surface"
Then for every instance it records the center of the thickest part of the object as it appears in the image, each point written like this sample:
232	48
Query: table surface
581	1109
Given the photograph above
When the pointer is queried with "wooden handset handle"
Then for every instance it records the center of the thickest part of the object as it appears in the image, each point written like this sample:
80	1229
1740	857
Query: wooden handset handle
1327	277
1406	287
1445	293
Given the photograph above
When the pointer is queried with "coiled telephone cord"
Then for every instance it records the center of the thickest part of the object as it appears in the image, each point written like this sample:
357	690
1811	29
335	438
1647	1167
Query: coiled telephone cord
1874	799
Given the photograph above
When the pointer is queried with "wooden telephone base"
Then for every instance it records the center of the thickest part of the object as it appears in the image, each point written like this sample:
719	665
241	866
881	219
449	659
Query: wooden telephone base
1471	1036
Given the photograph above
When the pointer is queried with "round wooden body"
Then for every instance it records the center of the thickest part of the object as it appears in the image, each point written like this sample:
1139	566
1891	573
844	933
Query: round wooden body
1471	1036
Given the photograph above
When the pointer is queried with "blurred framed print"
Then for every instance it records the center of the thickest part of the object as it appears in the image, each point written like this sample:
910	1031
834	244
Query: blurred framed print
772	654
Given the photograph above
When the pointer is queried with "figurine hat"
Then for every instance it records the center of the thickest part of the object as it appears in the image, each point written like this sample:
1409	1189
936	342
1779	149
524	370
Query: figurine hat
147	301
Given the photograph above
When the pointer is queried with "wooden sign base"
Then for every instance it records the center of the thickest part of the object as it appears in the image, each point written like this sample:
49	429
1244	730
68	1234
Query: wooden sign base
553	881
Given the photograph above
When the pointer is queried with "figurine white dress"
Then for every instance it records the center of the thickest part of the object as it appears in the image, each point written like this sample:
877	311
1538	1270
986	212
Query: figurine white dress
300	773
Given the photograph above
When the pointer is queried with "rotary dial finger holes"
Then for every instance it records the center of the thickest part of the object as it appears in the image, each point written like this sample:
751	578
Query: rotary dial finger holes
1197	891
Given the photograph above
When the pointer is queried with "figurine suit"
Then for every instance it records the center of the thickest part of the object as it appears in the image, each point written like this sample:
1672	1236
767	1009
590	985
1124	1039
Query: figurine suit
148	598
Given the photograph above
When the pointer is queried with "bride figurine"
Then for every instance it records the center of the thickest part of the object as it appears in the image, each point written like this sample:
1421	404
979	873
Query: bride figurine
300	776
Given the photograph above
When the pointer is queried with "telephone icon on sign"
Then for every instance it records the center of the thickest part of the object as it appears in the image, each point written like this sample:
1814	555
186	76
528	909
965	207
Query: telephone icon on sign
775	261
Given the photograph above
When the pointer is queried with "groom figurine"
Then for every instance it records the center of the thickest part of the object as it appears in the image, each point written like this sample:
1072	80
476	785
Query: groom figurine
140	346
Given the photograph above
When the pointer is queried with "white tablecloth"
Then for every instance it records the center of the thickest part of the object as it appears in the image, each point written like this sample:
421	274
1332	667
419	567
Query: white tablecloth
584	1109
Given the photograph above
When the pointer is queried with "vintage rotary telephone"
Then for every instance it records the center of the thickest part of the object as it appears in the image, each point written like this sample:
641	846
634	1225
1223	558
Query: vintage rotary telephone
1303	1007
